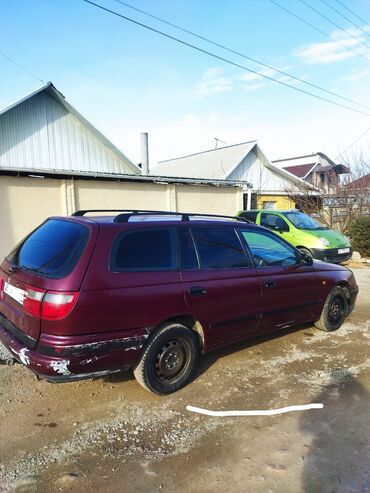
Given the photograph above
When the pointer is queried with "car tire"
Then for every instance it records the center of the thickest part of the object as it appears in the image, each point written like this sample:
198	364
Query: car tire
306	251
335	310
169	359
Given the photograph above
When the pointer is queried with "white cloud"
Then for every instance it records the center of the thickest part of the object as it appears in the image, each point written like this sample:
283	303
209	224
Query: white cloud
333	51
360	74
213	82
254	87
251	77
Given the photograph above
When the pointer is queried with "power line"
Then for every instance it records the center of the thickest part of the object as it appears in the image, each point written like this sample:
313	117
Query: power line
352	12
21	67
318	30
217	57
239	54
353	143
344	17
334	23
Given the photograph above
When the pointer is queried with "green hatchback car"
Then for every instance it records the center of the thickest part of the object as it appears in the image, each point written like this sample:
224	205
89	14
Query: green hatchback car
303	232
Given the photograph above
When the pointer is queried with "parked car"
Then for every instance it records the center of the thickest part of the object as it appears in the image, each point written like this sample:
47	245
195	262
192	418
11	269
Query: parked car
84	296
303	232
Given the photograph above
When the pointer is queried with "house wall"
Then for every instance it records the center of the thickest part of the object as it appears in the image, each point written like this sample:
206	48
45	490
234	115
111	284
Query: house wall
25	202
264	177
282	201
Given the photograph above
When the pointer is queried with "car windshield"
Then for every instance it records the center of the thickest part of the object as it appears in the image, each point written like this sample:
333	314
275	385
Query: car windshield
302	221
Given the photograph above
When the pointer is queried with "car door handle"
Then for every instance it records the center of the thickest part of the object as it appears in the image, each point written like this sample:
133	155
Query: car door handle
197	291
270	284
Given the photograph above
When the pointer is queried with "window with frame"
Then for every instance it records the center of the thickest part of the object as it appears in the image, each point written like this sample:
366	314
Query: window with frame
188	256
273	221
269	204
144	250
53	249
219	248
268	250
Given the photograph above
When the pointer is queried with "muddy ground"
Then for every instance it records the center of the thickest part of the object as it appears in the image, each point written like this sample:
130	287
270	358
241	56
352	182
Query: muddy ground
110	435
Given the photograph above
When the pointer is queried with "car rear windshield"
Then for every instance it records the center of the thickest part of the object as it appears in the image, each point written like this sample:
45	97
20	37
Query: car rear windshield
52	250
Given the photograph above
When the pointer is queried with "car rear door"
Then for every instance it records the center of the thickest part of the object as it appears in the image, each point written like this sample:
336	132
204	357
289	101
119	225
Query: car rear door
289	289
220	285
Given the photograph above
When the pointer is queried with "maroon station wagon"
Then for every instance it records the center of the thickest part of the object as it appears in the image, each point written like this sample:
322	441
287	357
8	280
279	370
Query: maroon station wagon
89	295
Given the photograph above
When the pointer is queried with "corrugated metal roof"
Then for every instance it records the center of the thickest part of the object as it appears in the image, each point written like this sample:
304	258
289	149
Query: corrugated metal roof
48	173
213	164
228	162
43	131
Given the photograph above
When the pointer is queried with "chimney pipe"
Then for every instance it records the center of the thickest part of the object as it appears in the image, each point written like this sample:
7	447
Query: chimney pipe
144	154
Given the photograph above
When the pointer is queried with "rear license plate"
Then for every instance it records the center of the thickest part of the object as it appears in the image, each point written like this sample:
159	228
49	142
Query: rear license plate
15	293
343	250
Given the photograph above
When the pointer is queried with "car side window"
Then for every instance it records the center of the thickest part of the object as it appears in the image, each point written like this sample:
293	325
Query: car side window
144	250
268	250
188	256
274	222
219	248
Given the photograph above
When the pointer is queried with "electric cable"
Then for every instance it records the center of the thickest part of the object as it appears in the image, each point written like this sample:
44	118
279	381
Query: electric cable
21	67
217	57
334	23
319	30
352	12
353	143
243	55
344	17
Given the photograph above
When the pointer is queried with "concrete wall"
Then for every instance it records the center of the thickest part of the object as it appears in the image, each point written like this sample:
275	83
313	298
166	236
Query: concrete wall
25	202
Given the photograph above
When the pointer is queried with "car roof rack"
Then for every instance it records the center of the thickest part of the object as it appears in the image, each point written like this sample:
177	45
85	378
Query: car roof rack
125	214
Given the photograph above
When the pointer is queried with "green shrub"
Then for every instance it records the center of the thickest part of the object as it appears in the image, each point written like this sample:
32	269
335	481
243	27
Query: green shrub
359	232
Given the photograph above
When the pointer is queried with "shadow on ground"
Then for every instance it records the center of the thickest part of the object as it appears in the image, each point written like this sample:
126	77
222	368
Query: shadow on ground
339	457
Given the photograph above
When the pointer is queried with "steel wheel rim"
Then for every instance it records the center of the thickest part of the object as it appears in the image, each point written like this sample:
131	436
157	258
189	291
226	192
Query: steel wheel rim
336	310
172	360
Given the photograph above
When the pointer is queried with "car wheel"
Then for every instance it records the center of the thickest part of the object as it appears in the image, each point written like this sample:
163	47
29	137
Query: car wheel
306	251
334	312
169	359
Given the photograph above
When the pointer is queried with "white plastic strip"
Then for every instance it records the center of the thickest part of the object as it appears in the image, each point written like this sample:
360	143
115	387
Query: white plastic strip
268	412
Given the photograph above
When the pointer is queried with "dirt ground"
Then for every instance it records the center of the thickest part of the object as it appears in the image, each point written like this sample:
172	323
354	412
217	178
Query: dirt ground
110	435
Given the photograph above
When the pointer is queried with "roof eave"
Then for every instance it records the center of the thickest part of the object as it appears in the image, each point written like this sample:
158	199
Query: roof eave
42	173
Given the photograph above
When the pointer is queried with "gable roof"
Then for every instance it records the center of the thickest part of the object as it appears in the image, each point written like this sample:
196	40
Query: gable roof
361	183
305	156
212	164
53	92
300	170
220	164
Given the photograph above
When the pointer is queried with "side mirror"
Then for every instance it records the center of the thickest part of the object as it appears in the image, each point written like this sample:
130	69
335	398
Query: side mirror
305	259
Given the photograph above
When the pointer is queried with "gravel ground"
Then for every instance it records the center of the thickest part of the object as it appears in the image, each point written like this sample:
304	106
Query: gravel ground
109	435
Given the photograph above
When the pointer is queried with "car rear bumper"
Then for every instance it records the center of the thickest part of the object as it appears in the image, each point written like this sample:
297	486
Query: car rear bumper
331	255
67	359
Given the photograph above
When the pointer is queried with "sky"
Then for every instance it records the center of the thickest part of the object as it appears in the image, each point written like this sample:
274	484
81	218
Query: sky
126	79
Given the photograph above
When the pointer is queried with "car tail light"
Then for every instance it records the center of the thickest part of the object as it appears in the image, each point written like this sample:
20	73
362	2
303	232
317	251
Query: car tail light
32	301
48	305
1	288
56	305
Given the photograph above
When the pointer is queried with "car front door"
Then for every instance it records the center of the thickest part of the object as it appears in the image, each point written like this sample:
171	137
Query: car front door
221	287
289	288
